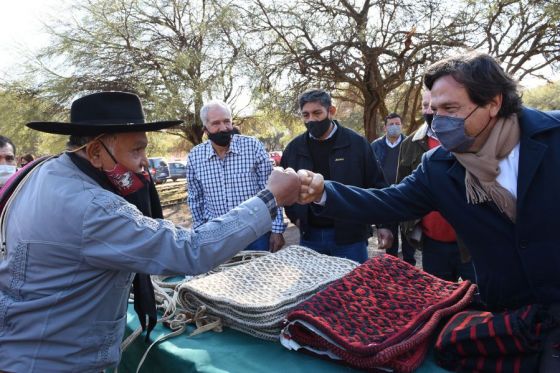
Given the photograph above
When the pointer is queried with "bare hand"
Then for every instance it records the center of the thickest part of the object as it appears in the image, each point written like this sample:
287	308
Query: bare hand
384	238
312	187
284	185
276	242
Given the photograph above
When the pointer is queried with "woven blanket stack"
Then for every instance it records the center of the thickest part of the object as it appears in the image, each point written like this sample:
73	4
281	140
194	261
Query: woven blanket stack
510	341
381	316
255	297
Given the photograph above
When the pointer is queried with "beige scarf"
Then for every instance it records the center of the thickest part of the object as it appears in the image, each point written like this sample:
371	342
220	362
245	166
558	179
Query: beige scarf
482	167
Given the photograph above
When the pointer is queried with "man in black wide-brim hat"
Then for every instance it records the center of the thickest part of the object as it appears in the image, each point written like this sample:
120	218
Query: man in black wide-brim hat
78	226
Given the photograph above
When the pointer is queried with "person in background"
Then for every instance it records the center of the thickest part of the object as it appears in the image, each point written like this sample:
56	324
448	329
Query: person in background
341	155
441	255
25	159
386	150
7	159
226	170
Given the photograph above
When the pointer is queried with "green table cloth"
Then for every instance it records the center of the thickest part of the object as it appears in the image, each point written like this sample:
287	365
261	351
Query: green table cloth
228	351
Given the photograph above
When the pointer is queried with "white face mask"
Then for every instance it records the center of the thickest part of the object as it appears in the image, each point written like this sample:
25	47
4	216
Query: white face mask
6	171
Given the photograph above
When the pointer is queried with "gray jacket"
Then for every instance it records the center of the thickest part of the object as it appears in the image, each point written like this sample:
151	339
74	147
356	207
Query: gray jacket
72	250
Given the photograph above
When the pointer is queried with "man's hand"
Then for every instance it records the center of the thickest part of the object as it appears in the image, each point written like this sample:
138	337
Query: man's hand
312	187
284	185
276	242
384	238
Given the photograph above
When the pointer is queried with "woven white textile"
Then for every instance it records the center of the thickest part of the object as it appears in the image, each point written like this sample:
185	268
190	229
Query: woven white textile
256	296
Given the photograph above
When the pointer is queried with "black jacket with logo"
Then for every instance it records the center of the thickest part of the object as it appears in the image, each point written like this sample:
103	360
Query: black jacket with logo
351	162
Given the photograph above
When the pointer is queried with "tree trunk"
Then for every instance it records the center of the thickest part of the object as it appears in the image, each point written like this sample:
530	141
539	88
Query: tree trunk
374	111
195	130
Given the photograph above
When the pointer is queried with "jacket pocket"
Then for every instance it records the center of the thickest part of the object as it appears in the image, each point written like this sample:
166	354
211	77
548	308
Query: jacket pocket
103	342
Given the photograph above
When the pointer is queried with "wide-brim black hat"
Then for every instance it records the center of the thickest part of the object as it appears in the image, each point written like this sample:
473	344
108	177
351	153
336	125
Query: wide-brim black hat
104	112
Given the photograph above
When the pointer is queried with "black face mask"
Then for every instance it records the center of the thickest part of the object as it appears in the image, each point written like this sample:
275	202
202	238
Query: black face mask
428	118
318	128
222	138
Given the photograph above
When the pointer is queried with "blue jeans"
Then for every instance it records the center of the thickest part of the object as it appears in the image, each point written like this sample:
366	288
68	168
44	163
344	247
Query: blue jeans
262	243
322	241
442	259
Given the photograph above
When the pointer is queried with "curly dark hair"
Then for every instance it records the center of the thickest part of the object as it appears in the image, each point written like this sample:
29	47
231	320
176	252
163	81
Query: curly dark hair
482	77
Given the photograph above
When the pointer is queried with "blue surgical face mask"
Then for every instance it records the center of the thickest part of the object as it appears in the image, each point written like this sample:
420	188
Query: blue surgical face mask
450	132
6	171
393	130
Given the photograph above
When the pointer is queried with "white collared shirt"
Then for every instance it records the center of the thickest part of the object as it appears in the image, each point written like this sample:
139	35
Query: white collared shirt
389	144
509	167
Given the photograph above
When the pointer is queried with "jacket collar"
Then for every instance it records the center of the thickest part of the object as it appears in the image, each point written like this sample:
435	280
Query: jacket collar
420	133
533	122
343	139
532	150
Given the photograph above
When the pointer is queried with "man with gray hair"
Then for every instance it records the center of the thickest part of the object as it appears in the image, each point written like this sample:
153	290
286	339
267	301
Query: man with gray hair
226	170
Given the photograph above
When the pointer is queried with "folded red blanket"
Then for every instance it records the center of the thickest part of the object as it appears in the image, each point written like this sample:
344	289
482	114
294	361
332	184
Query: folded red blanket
381	314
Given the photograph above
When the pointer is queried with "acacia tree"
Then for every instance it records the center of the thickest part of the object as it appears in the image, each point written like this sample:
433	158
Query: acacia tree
372	47
20	105
381	48
173	53
523	34
546	97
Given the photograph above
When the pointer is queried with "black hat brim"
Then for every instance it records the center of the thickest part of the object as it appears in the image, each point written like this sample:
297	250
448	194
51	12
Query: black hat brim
82	129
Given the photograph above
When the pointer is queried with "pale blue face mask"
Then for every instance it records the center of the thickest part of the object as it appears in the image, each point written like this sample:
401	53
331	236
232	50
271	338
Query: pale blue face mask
6	171
393	130
450	132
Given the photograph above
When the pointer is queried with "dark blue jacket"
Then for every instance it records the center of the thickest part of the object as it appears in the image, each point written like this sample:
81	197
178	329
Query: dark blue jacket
516	264
351	162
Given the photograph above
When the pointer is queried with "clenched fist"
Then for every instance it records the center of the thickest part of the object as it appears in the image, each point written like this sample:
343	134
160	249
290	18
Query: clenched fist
284	185
312	186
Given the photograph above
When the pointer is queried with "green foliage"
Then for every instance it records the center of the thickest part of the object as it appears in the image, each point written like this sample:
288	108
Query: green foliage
274	128
18	107
161	144
546	97
172	54
177	54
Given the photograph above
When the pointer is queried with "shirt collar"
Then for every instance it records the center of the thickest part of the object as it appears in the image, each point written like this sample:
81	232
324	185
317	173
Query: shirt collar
395	144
